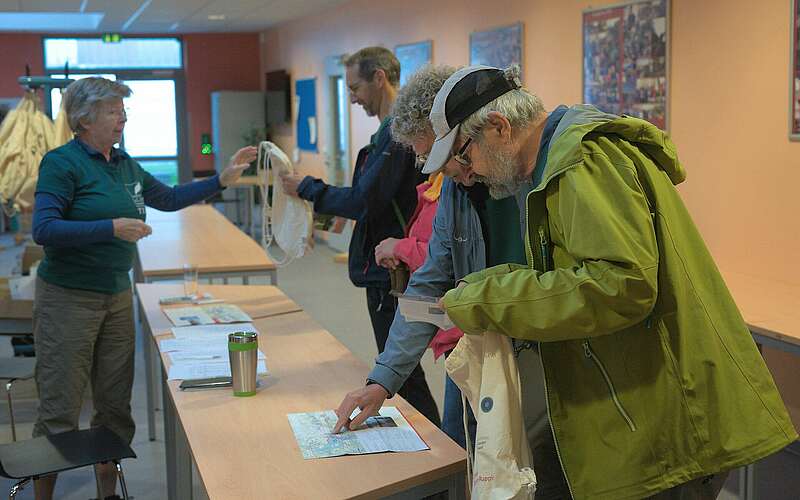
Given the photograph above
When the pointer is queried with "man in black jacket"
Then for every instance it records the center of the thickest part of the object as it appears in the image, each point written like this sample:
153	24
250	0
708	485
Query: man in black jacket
382	198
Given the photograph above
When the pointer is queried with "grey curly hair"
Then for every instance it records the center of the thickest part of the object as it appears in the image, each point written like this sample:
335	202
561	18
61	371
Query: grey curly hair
412	107
82	99
520	106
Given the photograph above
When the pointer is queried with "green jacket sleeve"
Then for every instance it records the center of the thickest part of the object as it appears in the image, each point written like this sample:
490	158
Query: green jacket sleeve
497	270
606	258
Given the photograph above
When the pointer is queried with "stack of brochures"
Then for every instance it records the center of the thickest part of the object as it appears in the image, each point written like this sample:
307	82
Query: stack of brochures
202	351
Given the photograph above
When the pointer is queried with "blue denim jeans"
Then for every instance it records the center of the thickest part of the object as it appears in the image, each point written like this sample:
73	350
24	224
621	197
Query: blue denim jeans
453	415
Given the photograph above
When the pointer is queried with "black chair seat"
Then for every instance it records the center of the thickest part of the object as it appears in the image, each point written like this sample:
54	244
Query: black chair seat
59	452
17	368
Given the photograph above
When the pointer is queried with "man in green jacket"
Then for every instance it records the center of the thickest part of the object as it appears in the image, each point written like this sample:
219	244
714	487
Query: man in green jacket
653	383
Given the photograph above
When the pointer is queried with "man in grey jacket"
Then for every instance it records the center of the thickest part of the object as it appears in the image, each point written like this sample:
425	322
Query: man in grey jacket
466	225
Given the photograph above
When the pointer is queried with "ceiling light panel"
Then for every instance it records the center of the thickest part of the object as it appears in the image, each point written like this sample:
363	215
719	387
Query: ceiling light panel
55	22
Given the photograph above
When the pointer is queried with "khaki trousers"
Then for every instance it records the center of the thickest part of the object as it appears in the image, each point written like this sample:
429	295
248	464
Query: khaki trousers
83	338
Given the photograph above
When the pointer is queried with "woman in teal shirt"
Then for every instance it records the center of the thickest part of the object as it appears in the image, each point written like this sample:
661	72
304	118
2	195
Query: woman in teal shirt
90	211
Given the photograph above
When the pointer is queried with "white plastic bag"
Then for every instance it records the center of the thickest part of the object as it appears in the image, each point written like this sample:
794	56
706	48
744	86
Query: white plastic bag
485	369
287	221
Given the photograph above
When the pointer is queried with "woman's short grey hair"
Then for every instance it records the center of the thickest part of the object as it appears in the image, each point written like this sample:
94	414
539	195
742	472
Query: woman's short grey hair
83	98
414	101
520	106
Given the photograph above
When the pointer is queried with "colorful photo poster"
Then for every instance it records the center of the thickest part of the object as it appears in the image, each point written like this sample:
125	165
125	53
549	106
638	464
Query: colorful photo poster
412	57
499	47
794	126
625	59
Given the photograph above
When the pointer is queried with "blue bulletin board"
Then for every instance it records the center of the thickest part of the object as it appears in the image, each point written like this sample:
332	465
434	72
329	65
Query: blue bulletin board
306	105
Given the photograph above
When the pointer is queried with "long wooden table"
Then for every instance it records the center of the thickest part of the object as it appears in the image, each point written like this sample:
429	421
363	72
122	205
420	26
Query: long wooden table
219	446
771	310
202	237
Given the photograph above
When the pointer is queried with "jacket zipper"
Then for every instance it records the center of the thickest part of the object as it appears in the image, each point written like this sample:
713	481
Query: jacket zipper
587	350
552	428
529	251
528	246
543	248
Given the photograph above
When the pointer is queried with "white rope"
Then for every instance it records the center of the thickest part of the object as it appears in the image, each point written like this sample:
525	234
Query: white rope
267	153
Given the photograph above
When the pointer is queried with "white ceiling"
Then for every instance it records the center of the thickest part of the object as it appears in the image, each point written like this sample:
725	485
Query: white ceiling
174	16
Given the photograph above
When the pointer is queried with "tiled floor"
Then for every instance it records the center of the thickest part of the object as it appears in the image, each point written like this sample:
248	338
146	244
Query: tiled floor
321	287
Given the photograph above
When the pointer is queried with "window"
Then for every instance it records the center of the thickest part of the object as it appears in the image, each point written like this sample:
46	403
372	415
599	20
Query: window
129	53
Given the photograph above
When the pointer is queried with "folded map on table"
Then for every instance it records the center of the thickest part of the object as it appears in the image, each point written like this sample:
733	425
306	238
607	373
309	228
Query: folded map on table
388	431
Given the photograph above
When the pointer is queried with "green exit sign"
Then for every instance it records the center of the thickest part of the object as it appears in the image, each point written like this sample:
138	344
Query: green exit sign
112	37
205	144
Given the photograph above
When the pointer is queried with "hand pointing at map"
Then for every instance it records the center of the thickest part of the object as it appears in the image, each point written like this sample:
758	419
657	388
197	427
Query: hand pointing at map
369	399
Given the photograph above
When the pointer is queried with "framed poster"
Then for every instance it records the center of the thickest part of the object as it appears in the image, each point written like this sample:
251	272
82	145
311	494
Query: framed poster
499	47
794	85
626	59
413	56
306	106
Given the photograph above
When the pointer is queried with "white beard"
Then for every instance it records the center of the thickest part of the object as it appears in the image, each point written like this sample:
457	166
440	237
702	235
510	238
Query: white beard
504	178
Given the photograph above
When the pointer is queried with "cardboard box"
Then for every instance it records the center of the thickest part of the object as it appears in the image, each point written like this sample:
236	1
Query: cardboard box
32	254
13	309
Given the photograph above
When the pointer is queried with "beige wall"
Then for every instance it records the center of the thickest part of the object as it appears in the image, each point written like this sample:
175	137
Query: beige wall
728	107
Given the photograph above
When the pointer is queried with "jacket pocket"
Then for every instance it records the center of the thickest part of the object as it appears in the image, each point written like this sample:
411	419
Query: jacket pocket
590	354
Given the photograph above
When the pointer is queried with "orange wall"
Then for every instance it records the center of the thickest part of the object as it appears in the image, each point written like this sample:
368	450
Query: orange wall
228	61
215	62
17	50
729	104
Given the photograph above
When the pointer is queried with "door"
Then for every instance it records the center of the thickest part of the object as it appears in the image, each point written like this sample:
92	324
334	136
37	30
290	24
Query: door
337	146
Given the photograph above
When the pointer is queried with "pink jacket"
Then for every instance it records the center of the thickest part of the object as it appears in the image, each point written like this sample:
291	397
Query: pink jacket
413	250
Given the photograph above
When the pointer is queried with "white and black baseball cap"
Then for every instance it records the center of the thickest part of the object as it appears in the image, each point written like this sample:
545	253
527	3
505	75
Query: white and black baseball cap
465	92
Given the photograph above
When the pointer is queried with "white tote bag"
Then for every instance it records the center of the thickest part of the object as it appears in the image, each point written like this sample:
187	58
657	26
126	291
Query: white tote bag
287	221
485	369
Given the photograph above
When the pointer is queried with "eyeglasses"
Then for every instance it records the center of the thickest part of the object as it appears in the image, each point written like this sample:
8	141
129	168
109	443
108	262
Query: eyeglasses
461	157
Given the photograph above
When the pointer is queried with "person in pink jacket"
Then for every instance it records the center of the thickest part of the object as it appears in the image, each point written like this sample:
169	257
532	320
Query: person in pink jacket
413	249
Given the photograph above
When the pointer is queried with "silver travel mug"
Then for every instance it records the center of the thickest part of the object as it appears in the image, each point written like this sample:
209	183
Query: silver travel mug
243	353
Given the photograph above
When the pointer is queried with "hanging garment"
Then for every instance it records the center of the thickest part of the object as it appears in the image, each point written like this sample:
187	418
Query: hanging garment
25	136
287	220
62	134
485	369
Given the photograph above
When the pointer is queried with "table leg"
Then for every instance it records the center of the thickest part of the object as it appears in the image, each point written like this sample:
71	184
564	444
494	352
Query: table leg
151	393
273	277
747	482
147	348
251	201
454	486
183	462
169	445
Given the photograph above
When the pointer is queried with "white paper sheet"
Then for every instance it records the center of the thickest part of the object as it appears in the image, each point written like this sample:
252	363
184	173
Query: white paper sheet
202	351
212	331
207	369
313	434
425	310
